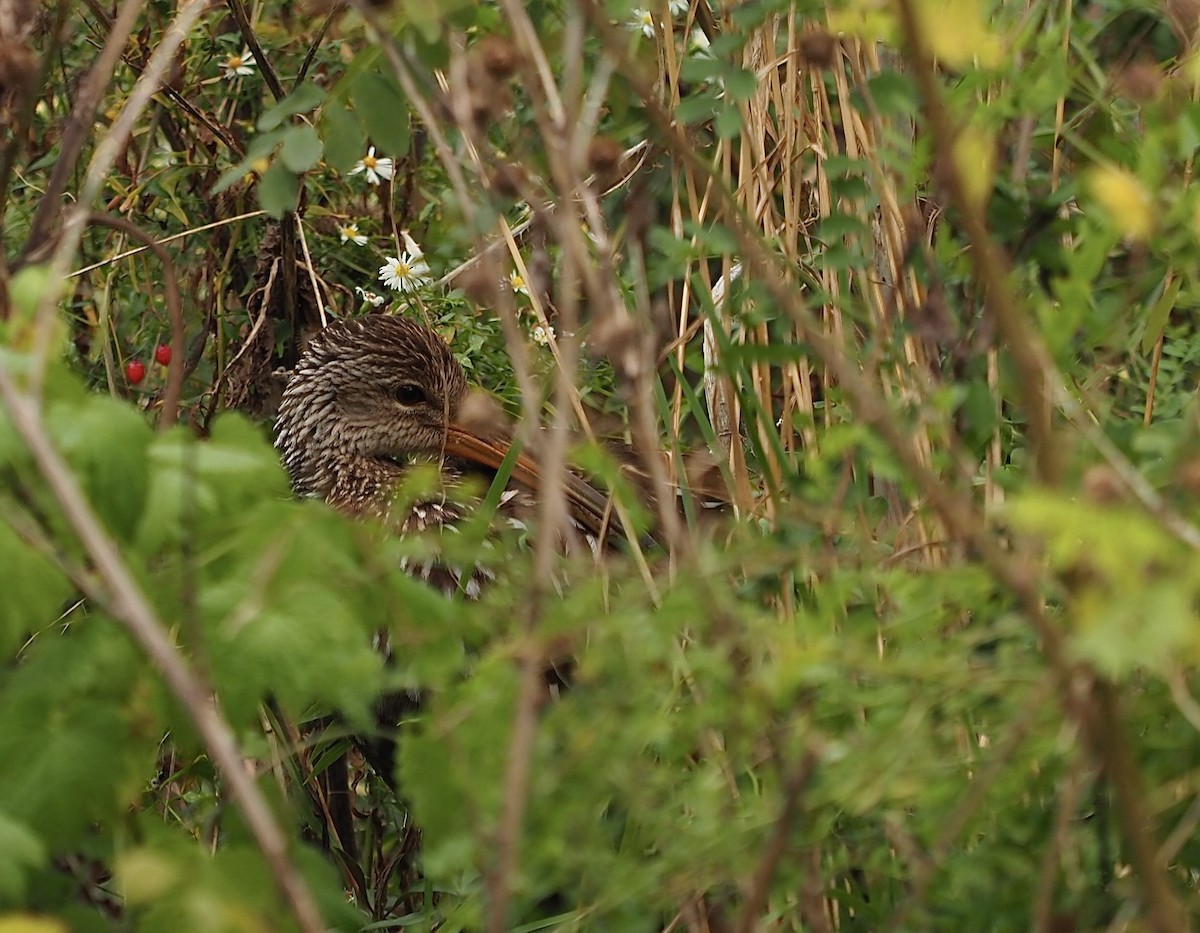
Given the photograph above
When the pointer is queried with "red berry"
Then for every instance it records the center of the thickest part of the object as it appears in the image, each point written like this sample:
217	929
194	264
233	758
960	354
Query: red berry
135	371
163	354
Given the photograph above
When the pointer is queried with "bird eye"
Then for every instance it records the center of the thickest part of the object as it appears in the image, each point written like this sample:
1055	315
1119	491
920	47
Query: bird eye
410	394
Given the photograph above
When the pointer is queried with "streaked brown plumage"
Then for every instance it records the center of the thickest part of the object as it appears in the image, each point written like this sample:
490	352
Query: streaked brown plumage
368	400
371	397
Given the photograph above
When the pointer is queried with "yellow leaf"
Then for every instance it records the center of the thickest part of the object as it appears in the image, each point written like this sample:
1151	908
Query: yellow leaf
1124	198
145	876
956	33
864	20
975	161
28	923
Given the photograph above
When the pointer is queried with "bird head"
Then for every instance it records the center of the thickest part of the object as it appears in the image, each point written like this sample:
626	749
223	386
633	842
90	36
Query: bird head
376	389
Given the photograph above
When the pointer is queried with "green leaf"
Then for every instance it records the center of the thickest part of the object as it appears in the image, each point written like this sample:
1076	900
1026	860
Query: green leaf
700	68
23	851
740	84
278	190
894	93
261	147
105	442
383	112
306	97
697	108
1156	320
68	751
345	142
35	591
207	481
301	148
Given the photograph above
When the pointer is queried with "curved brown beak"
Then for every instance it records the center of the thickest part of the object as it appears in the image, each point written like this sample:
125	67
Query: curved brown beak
588	506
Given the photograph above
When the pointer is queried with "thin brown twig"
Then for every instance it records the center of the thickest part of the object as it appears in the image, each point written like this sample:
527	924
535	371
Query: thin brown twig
335	11
102	162
1099	717
274	85
128	605
991	265
1068	802
498	875
78	128
170	406
224	221
760	881
1038	381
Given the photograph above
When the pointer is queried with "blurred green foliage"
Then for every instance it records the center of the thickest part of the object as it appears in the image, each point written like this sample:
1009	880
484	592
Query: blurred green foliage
832	714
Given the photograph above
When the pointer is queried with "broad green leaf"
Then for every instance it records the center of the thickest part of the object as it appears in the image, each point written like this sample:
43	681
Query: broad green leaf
729	122
894	94
1156	320
345	142
68	750
383	112
740	84
257	157
23	852
35	591
697	107
278	190
105	442
31	923
301	148
306	97
957	33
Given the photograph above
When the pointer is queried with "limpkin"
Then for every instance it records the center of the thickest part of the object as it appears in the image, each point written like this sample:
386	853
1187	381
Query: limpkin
374	396
370	399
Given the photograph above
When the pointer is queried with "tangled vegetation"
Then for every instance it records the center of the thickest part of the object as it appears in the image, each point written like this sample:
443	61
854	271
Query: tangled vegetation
918	277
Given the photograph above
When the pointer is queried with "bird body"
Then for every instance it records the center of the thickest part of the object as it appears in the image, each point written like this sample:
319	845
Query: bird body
374	399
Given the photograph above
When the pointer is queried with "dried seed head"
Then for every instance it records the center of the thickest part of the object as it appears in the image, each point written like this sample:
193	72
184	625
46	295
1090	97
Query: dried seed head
497	56
818	48
481	284
616	337
480	414
604	154
488	103
1102	485
1140	81
508	179
1188	476
17	67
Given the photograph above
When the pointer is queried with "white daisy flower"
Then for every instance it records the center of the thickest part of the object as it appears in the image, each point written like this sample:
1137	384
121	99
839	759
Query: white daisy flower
405	272
541	335
349	233
369	296
376	168
678	7
235	65
700	41
517	283
643	20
